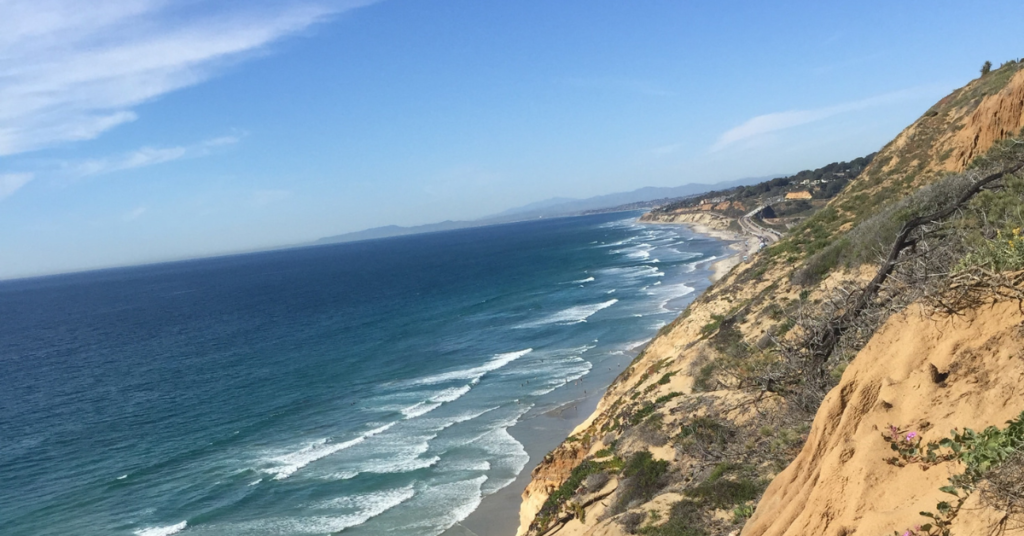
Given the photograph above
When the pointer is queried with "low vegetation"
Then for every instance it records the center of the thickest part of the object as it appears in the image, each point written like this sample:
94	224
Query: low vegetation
763	346
992	456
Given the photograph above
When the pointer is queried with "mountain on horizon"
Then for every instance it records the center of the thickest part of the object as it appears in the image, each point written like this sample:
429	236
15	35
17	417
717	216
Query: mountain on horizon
548	208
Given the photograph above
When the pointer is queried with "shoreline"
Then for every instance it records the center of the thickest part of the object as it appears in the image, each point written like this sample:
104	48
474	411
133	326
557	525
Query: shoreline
741	244
498	513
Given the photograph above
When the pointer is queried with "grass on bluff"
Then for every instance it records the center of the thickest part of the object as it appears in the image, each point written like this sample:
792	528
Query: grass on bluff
643	478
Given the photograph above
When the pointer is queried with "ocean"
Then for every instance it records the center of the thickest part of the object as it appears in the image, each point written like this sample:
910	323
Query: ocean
366	387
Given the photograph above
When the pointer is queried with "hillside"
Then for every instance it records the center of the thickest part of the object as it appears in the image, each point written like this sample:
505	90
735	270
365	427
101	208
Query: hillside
766	407
783	201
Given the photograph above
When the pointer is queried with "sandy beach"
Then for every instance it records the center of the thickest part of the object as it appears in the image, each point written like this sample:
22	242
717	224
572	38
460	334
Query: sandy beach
743	244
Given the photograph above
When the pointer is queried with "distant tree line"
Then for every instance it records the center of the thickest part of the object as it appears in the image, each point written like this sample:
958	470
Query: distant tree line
823	183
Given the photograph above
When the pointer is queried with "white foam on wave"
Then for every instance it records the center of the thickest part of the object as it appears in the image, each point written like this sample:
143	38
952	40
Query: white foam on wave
452	394
162	531
639	251
451	421
468	465
447	505
420	408
378	501
288	464
508	457
448	395
367	506
629	222
575	369
674	292
474	373
635	272
405	466
572	315
587	280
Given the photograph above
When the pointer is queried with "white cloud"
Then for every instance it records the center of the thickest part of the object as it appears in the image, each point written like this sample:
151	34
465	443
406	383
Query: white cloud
147	156
665	150
133	214
764	124
70	71
11	182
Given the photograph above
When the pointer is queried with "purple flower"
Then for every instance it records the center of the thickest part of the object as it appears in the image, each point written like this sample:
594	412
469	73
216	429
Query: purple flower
911	436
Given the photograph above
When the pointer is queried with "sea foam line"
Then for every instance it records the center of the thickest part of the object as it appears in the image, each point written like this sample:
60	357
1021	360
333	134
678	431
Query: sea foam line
572	315
434	402
474	373
162	531
290	463
371	505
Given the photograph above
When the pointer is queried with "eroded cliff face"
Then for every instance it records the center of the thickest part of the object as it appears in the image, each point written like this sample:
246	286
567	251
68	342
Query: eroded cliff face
839	483
706	219
952	133
997	116
546	477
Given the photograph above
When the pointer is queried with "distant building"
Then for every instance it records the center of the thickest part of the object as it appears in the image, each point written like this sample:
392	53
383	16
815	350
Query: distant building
803	194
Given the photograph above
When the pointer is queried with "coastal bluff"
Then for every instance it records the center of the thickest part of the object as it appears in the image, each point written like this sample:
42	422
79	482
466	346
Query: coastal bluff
818	390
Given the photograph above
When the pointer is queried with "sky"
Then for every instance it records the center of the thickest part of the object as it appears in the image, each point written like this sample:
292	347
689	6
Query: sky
137	131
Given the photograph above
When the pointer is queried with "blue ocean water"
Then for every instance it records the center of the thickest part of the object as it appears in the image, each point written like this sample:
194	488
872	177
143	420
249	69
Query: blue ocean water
365	387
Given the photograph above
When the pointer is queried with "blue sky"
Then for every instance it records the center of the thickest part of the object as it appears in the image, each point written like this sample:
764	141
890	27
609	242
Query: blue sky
144	130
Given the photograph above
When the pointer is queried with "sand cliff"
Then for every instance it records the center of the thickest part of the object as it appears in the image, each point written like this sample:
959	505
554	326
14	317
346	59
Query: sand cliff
824	471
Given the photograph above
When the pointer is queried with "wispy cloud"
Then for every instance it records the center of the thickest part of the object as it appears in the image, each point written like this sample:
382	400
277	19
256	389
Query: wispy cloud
133	214
11	182
773	122
665	150
146	156
70	71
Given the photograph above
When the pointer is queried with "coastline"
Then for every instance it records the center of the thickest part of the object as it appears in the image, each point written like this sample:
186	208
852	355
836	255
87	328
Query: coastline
741	244
499	514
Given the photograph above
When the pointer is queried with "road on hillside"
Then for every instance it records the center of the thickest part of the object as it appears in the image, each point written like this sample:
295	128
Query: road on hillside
768	236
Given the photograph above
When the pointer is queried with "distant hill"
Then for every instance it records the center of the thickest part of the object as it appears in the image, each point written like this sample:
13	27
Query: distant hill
551	208
566	207
397	230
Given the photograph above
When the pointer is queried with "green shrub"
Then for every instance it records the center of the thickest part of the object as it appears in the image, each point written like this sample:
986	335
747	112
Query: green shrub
643	478
711	327
725	493
704	435
568	488
978	452
639	415
685	518
704	379
1003	253
665	398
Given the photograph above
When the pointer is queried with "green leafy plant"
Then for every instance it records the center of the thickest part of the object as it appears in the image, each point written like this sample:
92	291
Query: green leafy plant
978	452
